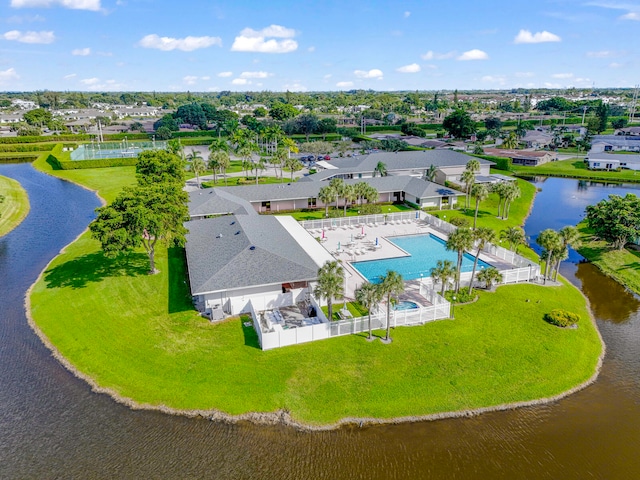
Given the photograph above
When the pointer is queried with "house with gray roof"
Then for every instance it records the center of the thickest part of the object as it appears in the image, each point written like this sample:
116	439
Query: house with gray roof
612	161
304	194
236	258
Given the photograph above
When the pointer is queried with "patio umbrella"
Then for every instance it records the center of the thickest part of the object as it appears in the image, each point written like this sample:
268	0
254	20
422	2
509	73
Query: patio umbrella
323	233
352	238
338	245
417	214
362	232
376	240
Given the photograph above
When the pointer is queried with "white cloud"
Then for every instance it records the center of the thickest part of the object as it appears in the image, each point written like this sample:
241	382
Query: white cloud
8	75
407	14
474	54
81	52
190	79
294	87
373	73
251	40
562	75
225	74
93	5
70	76
240	81
187	44
29	37
631	16
327	76
602	54
498	79
255	74
412	68
344	84
616	65
552	85
311	49
525	36
431	55
25	19
524	74
90	81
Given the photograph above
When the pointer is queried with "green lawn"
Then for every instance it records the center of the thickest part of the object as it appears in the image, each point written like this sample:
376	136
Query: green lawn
235	181
351	212
576	168
621	265
15	206
139	335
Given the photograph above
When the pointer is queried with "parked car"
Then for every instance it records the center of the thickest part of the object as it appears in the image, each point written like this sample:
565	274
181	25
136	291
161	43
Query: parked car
327	157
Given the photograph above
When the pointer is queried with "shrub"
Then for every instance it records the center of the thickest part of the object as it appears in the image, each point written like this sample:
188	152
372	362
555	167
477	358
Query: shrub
370	209
461	222
561	318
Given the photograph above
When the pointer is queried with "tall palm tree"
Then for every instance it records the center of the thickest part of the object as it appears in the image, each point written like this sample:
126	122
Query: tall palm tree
500	189
443	272
371	194
468	177
337	186
293	165
198	166
515	236
279	158
511	142
512	192
482	235
551	242
259	165
480	192
459	241
326	196
224	162
381	169
430	173
330	283
350	195
290	145
570	237
391	286
369	295
195	154
214	165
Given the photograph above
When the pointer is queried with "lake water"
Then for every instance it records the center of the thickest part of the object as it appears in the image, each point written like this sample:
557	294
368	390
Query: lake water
53	426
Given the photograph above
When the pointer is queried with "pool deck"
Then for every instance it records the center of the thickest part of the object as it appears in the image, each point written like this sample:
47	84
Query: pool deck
355	249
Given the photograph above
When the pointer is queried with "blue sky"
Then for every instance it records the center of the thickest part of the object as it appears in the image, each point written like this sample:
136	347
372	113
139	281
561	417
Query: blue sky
145	45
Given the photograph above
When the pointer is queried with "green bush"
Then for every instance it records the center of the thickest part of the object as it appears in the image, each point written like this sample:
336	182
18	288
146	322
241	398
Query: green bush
38	147
40	139
370	209
128	136
23	158
501	163
461	222
101	163
561	318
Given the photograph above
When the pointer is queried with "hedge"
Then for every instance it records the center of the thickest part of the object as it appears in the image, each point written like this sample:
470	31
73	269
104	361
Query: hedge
329	137
43	139
29	147
502	163
24	158
128	136
196	141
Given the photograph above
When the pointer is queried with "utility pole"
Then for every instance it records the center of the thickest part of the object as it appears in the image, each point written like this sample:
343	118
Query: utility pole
584	113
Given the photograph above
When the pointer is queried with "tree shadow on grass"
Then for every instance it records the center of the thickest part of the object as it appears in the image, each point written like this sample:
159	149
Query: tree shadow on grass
179	295
95	267
250	335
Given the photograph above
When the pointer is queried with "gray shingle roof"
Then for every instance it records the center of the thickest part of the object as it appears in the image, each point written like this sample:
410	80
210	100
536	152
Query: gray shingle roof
211	201
220	256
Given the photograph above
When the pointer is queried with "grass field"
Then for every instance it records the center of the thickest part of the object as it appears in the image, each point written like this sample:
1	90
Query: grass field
139	335
621	265
576	168
351	212
15	206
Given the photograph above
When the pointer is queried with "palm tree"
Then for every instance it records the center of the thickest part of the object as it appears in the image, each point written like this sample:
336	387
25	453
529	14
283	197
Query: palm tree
391	285
279	159
369	295
511	142
214	165
480	192
326	196
337	187
512	192
223	161
443	272
290	145
350	195
501	189
482	235
468	177
198	166
489	276
460	240
551	242
371	194
515	237
293	165
430	173
381	168
259	165
570	237
330	284
195	154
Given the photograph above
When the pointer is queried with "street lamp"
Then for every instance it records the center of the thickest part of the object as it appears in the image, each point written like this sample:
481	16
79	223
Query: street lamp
530	265
453	306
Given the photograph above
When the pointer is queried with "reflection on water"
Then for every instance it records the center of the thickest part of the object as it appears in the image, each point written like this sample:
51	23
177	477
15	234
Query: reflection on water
52	426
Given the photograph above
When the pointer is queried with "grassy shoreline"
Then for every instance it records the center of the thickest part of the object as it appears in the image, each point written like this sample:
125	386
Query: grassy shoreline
138	338
621	265
576	168
15	207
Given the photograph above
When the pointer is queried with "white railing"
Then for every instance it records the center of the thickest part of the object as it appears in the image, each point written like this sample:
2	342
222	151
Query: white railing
310	333
363	220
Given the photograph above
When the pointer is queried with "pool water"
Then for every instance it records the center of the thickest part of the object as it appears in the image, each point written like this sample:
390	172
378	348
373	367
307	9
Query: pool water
405	305
424	250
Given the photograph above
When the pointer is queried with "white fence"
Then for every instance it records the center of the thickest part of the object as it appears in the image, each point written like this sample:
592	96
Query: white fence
379	218
310	333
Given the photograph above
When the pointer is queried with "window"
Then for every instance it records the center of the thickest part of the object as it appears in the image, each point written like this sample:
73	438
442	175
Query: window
311	203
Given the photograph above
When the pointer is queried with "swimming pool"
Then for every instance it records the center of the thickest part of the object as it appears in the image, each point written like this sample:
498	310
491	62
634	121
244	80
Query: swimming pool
424	251
405	305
